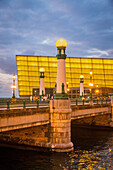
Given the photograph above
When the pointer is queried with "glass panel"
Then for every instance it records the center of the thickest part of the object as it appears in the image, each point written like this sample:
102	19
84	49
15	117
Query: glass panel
96	60
87	66
53	69
67	65
42	58
98	76
21	62
108	66
53	84
52	64
32	58
34	74
85	60
24	78
75	60
108	71
53	59
31	63
23	73
21	57
97	66
108	61
24	83
97	71
22	67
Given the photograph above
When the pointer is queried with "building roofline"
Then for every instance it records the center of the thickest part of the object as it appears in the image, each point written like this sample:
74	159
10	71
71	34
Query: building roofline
90	57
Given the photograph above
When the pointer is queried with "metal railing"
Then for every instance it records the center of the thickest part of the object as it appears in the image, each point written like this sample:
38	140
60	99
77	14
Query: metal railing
10	104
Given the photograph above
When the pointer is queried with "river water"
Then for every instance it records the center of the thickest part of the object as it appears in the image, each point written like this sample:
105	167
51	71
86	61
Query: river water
93	149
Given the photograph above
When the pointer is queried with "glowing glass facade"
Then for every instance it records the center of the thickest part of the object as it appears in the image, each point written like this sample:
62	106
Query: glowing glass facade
28	74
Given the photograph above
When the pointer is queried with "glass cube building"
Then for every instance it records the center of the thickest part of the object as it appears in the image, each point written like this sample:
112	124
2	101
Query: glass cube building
28	72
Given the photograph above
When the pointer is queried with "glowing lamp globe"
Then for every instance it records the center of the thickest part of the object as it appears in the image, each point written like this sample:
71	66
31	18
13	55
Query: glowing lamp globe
42	70
61	43
81	76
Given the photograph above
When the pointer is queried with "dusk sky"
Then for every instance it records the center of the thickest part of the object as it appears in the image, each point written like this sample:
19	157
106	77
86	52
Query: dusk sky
33	27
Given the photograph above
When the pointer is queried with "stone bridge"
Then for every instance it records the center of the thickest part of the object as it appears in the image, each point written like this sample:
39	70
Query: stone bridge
31	127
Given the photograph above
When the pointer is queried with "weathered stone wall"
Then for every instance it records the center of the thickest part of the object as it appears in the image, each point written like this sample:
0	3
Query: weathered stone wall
100	120
34	137
23	118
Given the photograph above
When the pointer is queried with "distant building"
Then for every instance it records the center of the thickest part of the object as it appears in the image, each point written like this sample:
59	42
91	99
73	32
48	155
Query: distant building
28	74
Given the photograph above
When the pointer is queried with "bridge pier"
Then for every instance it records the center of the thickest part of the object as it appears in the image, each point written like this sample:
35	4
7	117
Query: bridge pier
60	126
111	123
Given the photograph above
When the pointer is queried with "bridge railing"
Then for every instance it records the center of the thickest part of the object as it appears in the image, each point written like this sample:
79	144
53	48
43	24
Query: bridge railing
9	104
85	101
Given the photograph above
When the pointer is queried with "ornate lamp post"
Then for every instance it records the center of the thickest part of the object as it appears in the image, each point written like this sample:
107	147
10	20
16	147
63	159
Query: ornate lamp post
42	87
14	86
81	86
90	85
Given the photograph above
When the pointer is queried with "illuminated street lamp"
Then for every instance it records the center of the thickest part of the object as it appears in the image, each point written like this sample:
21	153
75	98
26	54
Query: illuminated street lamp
14	86
81	86
90	85
97	91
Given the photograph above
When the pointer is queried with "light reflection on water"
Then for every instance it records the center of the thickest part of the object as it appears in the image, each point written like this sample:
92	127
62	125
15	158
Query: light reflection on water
93	150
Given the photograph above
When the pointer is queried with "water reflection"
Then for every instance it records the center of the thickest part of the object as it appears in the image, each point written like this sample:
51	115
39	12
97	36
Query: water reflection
93	150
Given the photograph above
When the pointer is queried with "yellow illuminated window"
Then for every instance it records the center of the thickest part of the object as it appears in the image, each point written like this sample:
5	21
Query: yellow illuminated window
96	60
85	60
33	83
68	80
97	71
108	66
22	67
23	73
21	57
109	83
31	63
34	79
52	64
108	61
95	76
53	84
97	66
75	60
68	75
109	77
52	80
52	59
53	74
43	64
21	62
23	83
67	60
32	58
87	66
23	78
108	71
67	65
23	88
43	58
34	74
47	85
84	70
53	69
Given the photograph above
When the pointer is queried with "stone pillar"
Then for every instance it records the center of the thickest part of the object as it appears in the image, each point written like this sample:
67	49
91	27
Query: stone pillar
60	108
81	86
111	122
42	87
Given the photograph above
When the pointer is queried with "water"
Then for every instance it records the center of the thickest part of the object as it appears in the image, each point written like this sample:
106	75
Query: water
93	150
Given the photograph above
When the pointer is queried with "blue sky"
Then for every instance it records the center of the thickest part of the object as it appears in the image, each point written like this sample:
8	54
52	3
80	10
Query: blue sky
33	26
